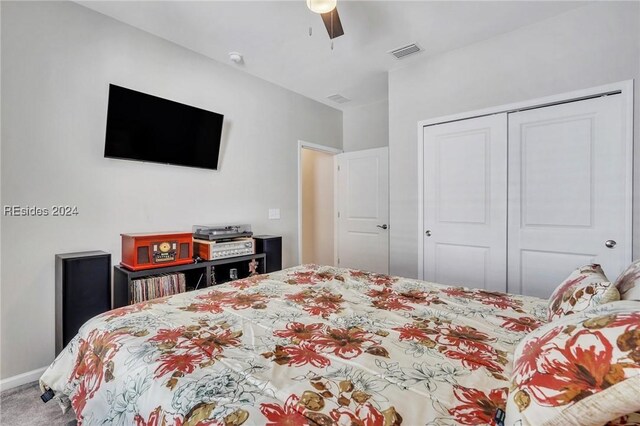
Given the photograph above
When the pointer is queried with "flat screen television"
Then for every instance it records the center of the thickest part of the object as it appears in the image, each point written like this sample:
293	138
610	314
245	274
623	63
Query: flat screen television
148	128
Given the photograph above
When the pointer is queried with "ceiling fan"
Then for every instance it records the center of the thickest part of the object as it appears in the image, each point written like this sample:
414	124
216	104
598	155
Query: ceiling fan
329	11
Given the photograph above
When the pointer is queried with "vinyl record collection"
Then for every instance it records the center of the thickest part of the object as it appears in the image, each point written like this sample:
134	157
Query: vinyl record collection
157	286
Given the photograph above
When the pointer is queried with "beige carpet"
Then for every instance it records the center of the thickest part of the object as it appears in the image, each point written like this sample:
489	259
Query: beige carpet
22	406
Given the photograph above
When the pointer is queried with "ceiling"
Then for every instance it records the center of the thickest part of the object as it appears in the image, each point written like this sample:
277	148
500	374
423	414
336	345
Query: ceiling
273	36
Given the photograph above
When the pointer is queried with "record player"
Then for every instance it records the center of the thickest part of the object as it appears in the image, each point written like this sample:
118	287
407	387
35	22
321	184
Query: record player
213	242
221	232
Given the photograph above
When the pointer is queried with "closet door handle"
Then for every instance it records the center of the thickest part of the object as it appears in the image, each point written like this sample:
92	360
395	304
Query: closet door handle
610	243
382	226
428	232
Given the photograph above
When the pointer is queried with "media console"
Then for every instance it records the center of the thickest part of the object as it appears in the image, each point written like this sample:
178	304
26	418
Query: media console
202	274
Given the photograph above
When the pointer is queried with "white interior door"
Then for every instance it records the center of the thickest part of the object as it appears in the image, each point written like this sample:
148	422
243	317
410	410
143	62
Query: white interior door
465	194
363	210
567	193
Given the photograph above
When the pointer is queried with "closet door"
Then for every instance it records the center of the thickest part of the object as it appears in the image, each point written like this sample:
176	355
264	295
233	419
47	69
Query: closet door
568	191
465	191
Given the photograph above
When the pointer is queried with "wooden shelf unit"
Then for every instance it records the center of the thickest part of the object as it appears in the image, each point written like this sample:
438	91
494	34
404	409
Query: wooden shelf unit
205	272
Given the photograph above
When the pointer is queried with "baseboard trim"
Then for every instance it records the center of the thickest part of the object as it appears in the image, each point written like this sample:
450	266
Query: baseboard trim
21	379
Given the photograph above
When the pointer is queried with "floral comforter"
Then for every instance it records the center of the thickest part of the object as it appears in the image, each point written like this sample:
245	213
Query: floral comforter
308	345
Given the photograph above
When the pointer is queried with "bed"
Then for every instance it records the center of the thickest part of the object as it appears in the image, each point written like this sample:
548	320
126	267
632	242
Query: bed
306	345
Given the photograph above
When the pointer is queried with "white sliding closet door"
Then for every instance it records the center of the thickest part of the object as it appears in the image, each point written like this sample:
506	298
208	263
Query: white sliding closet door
465	194
567	193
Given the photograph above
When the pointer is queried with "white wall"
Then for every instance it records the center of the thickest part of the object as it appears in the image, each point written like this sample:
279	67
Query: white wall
57	62
585	47
317	207
366	126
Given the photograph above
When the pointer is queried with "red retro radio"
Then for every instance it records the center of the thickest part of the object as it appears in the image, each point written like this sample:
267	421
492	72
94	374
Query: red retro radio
154	250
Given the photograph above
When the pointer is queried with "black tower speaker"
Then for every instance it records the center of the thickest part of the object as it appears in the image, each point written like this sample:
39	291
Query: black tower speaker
271	245
83	290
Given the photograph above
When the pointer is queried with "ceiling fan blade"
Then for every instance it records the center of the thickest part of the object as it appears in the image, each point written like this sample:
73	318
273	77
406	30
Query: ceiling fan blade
334	29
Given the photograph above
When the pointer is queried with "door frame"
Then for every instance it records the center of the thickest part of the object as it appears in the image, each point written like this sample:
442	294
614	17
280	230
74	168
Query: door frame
621	88
327	150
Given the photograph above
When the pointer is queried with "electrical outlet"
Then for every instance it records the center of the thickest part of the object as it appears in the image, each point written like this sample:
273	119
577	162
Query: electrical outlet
274	213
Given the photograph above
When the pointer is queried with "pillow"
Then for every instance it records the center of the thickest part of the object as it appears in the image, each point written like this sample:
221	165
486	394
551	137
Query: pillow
628	283
585	288
582	369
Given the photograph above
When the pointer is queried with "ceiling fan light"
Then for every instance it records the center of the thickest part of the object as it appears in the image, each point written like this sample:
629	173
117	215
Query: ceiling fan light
321	6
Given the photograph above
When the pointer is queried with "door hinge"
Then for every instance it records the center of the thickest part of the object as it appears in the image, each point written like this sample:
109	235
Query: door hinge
338	261
338	168
338	214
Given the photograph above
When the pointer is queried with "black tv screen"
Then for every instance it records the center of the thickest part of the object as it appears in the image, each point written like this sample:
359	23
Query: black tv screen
148	128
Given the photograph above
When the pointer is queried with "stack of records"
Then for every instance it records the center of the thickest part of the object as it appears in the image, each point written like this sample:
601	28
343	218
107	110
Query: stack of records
157	286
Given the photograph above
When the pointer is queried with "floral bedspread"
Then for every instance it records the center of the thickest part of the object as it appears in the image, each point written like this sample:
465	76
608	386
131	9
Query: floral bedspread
308	345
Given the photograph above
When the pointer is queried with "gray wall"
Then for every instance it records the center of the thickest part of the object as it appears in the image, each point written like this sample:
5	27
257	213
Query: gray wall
585	47
57	62
366	126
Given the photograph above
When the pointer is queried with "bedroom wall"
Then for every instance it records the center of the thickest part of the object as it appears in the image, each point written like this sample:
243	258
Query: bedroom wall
57	61
585	47
366	126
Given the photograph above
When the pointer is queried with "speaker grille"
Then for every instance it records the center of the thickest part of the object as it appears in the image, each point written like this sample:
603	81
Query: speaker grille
143	255
184	251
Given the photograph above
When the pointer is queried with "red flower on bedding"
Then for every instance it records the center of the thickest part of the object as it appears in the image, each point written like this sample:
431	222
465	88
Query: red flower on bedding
94	354
129	309
523	324
311	277
299	331
457	292
463	337
289	414
209	306
477	407
474	358
526	363
580	369
556	297
413	331
364	415
345	343
249	282
212	342
244	301
184	363
80	397
499	300
158	418
165	335
372	278
215	300
303	355
388	300
320	303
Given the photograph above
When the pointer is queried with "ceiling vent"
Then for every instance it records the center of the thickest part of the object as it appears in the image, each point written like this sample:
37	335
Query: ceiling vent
404	51
339	99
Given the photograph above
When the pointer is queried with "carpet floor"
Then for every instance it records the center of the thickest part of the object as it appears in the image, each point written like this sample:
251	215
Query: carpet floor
23	406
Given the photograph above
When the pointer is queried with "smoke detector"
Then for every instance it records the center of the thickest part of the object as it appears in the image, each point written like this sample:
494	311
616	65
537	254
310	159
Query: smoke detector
235	57
339	99
404	51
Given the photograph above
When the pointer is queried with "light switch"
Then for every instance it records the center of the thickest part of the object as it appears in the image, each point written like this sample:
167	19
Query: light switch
274	213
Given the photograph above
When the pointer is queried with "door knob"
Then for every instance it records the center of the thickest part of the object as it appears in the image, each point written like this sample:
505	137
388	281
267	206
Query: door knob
610	243
428	233
382	226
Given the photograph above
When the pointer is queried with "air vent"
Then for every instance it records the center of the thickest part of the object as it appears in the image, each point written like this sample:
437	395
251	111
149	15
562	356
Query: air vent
339	99
405	51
